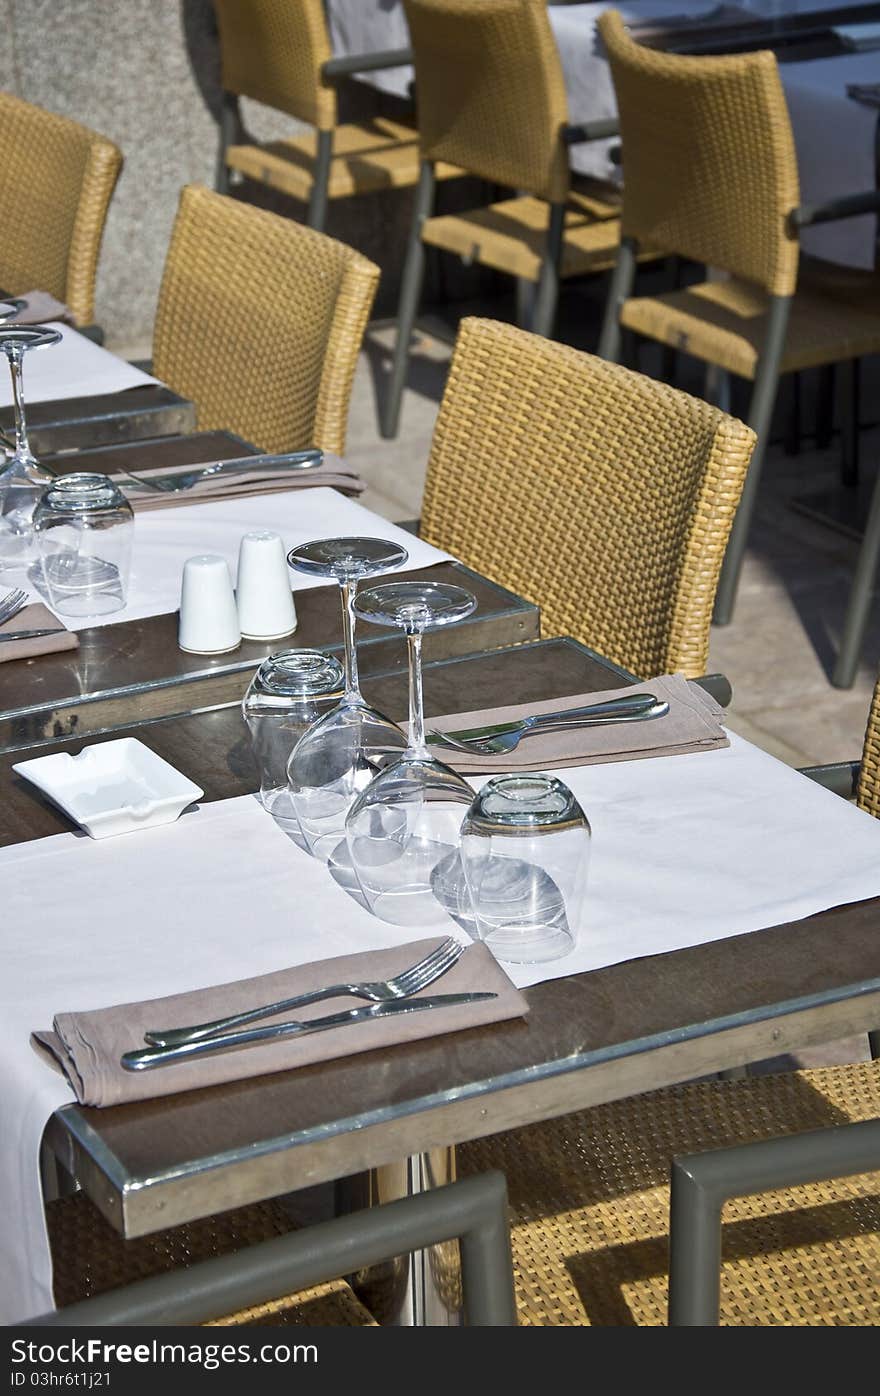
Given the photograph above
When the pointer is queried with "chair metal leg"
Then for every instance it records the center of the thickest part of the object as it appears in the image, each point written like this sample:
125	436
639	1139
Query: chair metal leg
317	214
547	295
760	414
874	1044
230	132
792	444
702	1183
849	422
619	290
410	291
861	596
825	407
716	387
525	302
473	1211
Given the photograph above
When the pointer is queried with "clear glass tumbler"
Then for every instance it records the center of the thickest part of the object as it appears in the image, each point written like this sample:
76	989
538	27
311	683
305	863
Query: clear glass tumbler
403	830
84	527
22	478
525	850
289	692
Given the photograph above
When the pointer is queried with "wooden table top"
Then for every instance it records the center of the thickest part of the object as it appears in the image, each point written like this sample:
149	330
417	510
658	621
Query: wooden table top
589	1038
91	689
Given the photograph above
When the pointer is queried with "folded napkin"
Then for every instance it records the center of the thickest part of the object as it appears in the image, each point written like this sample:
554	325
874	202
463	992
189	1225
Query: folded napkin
332	472
35	617
41	307
692	724
88	1046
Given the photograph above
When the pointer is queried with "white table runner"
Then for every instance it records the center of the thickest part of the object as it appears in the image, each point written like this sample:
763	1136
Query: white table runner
77	367
835	144
165	538
685	850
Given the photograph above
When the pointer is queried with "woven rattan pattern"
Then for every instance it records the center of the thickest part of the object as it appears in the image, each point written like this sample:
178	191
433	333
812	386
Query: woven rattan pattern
868	794
56	180
602	496
491	92
711	170
725	323
90	1258
260	321
590	1206
273	51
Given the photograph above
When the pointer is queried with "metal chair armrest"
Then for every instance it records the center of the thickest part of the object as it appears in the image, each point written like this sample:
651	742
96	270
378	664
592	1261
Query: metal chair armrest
367	62
473	1210
702	1183
598	130
840	777
851	206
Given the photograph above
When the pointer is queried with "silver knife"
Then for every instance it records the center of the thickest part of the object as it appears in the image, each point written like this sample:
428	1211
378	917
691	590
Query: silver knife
144	1059
239	465
29	634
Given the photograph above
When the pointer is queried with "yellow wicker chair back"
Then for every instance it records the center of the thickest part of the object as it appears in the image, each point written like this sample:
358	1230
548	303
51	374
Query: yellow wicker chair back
56	180
711	170
491	95
599	494
868	794
273	51
260	321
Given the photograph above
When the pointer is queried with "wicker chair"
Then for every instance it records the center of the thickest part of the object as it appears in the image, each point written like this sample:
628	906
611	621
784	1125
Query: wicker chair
260	322
711	174
278	53
492	100
56	181
590	1196
599	494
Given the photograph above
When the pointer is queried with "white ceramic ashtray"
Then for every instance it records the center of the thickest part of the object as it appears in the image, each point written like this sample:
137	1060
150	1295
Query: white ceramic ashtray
112	787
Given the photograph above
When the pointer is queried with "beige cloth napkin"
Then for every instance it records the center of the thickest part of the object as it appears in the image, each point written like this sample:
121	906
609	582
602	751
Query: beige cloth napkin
332	472
88	1046
692	724
35	617
40	308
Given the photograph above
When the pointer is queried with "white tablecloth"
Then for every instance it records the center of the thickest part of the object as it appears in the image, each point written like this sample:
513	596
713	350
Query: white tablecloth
76	367
685	850
834	136
165	538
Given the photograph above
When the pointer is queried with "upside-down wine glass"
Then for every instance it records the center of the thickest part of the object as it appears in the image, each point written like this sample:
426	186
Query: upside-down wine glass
341	753
22	479
403	830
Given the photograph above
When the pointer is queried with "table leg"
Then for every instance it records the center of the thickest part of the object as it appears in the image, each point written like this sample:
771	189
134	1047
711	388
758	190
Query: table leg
422	1289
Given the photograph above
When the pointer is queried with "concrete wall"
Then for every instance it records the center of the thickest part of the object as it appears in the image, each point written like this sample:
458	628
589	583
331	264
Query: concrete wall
146	74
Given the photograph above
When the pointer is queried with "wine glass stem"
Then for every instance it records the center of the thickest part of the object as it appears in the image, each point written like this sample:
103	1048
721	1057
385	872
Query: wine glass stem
352	685
417	745
22	449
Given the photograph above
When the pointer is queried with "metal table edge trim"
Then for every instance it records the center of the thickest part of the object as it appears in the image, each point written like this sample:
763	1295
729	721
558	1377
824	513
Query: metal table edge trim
81	1130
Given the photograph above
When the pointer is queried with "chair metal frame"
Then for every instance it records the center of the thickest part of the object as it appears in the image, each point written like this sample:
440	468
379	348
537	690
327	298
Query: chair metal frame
764	390
473	1211
702	1183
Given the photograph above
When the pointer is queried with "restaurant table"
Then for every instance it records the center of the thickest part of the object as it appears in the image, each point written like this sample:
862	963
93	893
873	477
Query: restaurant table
138	665
148	411
797	30
593	1037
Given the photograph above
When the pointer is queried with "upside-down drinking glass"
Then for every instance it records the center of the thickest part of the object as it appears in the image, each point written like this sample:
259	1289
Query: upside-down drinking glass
338	757
403	829
22	479
525	848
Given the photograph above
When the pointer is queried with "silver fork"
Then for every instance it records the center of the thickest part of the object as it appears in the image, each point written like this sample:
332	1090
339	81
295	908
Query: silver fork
506	737
401	986
243	465
11	604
